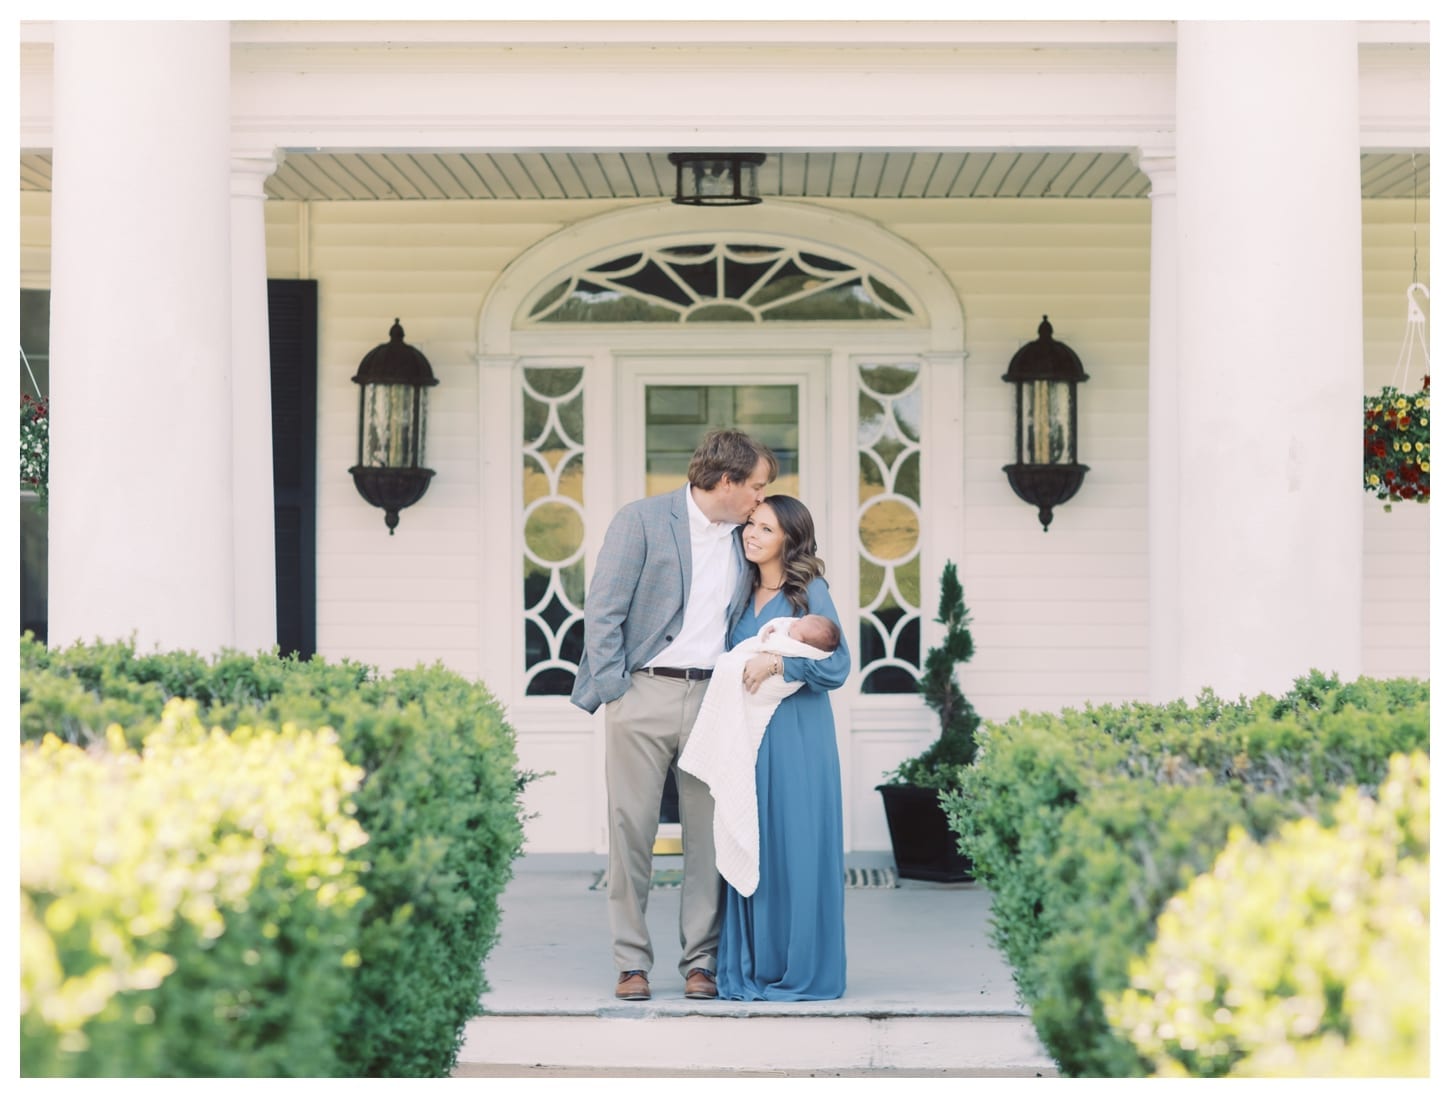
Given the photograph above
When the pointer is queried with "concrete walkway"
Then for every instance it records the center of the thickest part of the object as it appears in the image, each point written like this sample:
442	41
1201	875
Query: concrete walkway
927	994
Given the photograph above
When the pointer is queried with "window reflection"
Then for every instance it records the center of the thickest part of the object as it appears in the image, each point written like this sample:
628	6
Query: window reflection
677	417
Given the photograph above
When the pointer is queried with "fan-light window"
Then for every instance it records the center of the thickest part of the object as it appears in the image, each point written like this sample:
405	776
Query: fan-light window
720	283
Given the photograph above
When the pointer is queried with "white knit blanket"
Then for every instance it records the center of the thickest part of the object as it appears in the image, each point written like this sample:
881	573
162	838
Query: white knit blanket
722	747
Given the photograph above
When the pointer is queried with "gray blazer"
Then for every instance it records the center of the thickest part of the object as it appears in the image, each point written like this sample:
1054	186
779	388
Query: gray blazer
636	601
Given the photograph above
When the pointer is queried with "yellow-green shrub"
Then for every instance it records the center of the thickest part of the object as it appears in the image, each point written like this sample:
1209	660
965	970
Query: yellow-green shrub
1307	955
1084	824
441	806
190	909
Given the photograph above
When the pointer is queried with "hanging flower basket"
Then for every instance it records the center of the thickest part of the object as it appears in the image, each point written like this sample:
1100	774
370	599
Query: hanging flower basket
34	446
1397	444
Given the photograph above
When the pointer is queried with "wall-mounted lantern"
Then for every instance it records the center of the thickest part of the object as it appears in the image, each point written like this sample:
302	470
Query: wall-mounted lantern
716	178
391	420
1046	374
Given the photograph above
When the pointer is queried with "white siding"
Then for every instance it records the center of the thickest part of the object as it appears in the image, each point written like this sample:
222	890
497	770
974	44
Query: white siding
34	240
284	225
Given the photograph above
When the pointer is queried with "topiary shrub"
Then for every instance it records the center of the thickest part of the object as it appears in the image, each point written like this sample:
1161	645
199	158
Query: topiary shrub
957	720
1307	955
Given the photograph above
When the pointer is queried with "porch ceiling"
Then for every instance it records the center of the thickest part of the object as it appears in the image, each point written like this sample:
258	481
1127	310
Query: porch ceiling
341	176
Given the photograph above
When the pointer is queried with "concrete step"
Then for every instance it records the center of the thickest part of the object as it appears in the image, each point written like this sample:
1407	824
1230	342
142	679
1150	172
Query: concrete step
926	991
728	1040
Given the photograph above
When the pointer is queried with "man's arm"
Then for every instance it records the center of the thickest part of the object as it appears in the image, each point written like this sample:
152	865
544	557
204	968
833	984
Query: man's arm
617	575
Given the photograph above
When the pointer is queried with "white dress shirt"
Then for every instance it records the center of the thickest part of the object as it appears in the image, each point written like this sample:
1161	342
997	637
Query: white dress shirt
713	573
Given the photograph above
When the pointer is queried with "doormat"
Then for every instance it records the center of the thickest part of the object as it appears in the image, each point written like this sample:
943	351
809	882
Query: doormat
671	878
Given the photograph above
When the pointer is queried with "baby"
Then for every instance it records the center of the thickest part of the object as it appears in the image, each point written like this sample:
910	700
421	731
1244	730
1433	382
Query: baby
723	743
816	630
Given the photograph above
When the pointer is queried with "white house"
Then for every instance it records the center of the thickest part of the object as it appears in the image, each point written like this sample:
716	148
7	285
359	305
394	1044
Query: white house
1221	220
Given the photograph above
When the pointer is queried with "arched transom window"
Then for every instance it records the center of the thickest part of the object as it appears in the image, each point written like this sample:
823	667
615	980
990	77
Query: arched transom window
714	281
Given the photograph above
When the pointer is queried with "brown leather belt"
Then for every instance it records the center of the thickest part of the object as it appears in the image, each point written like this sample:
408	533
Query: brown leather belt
694	674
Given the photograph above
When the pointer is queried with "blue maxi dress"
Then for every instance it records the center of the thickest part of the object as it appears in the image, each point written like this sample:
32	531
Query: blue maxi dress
787	941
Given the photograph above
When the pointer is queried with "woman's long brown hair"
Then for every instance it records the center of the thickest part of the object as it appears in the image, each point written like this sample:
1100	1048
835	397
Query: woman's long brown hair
798	552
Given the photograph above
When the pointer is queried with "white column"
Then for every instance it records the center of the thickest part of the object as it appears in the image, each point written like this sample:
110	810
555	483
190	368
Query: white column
141	462
1270	353
1164	612
253	511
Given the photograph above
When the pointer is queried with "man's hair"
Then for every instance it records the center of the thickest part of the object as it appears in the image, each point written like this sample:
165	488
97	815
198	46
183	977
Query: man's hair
727	452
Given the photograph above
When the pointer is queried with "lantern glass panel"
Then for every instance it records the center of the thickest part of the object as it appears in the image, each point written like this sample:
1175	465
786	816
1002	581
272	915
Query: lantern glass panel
716	179
1046	422
748	183
394	422
713	179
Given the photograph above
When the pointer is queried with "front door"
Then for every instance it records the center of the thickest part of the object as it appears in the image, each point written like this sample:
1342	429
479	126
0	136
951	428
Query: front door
778	400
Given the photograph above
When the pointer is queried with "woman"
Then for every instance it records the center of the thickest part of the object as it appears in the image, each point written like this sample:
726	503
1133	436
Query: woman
787	941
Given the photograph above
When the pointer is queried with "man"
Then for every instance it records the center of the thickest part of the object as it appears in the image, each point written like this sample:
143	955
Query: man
670	577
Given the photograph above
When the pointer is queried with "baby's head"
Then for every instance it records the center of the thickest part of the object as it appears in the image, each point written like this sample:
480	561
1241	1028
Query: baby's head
816	630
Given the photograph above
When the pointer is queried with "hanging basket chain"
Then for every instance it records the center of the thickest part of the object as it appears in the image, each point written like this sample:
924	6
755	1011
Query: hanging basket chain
1414	338
1415	218
33	383
1404	376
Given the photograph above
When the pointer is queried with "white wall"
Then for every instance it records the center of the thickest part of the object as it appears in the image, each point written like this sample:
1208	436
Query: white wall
34	240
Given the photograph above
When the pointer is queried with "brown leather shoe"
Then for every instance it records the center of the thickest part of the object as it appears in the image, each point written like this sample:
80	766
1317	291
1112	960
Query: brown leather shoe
633	984
700	984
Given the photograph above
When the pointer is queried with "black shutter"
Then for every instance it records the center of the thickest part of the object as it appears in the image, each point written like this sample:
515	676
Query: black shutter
292	319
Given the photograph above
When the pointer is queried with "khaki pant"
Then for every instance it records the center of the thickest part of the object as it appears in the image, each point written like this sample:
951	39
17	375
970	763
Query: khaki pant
645	730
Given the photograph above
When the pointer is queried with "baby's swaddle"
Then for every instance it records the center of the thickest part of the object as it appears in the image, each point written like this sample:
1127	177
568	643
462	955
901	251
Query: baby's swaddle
722	746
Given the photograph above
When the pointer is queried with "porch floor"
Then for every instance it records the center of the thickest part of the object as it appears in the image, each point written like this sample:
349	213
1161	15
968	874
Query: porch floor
927	993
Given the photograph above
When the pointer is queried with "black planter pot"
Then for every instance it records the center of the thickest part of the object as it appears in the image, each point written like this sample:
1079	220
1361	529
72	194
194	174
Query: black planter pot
924	846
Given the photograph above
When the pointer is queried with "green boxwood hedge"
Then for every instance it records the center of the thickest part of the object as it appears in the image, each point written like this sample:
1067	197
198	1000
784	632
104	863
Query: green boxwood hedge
440	803
1083	824
1307	955
184	910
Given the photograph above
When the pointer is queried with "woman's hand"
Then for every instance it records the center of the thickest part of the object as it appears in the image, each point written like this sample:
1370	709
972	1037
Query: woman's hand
758	669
